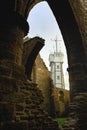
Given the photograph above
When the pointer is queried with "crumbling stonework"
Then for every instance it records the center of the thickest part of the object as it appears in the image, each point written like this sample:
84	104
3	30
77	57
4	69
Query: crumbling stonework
45	84
52	102
76	113
40	74
20	99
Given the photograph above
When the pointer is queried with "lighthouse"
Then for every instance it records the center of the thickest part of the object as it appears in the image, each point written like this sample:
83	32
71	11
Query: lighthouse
56	60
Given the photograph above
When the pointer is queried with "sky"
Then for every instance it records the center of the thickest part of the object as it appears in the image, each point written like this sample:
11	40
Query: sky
42	23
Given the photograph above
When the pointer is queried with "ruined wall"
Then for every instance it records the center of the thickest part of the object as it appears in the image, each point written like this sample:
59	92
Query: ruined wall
44	83
35	99
20	99
61	101
42	77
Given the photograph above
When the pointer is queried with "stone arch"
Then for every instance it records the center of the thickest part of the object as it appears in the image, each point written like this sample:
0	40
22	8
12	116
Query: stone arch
73	42
33	45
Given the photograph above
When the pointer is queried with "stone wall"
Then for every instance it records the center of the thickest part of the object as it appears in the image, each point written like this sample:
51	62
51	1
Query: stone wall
61	101
42	77
80	12
45	84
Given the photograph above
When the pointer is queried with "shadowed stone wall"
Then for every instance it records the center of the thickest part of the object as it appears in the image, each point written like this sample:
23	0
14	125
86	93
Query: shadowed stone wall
20	99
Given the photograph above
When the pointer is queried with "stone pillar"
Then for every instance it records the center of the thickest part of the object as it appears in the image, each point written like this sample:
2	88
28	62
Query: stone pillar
78	79
78	107
12	30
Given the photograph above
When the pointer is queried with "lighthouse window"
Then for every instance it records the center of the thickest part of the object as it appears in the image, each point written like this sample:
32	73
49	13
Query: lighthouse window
57	66
58	77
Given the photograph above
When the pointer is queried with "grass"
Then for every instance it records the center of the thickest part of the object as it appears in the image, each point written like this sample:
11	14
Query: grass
60	121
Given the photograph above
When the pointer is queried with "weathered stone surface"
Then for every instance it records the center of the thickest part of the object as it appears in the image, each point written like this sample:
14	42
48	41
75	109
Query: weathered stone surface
20	100
77	113
80	11
43	79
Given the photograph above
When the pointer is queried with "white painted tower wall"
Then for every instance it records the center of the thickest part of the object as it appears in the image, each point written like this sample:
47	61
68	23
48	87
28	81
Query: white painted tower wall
56	62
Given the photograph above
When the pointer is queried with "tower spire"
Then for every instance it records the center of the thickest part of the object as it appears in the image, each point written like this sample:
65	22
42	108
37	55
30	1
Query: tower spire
56	42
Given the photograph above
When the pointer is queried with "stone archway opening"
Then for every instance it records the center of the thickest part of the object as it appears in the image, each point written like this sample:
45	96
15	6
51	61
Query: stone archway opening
41	23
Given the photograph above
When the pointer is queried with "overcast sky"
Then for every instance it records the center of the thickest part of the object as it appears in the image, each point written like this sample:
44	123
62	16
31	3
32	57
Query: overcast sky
43	24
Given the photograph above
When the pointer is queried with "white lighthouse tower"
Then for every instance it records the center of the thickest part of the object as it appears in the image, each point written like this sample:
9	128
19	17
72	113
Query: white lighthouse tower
56	65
